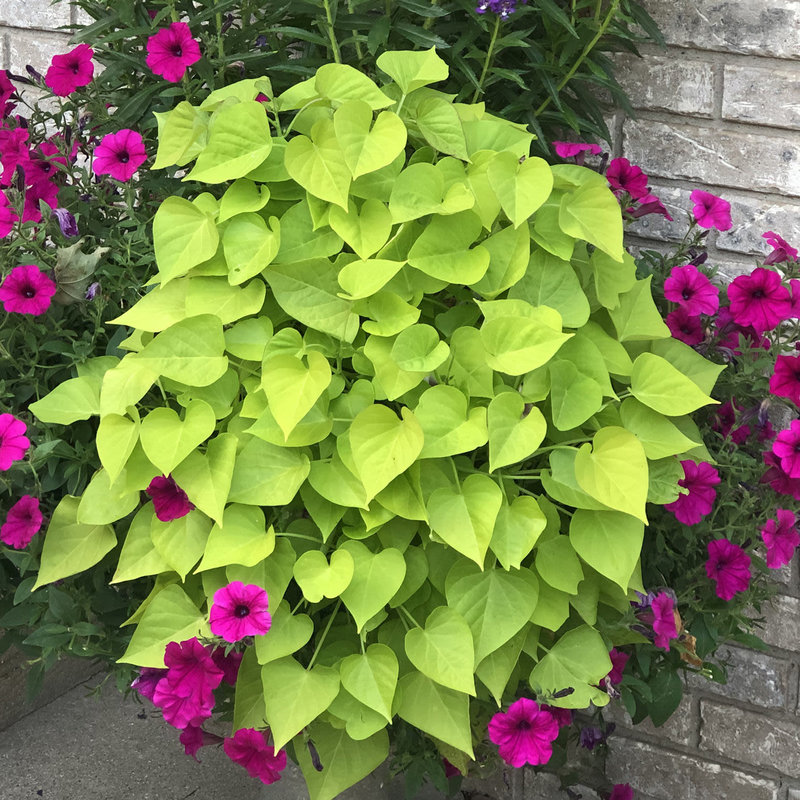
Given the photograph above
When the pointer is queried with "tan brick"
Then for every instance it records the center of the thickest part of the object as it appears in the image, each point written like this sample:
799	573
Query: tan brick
762	96
754	215
35	48
42	14
680	728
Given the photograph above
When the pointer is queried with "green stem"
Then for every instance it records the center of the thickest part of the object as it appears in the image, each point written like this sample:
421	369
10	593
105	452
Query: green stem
582	57
359	52
489	54
403	608
220	42
429	20
324	634
337	56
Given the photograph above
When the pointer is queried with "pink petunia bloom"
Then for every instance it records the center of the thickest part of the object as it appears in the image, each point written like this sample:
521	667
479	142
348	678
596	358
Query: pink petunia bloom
781	538
23	521
729	567
41	165
649	204
169	500
621	791
193	737
729	333
180	712
781	249
191	672
70	71
240	610
171	51
691	290
623	176
618	662
724	423
13	152
229	664
563	716
711	211
524	734
449	770
8	216
778	479
248	748
26	290
6	88
13	442
119	155
571	149
684	327
785	378
787	448
147	680
794	291
759	299
44	191
664	625
700	479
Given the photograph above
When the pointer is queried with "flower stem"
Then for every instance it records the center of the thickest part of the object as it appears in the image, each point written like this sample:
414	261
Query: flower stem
489	54
359	51
337	56
324	634
429	20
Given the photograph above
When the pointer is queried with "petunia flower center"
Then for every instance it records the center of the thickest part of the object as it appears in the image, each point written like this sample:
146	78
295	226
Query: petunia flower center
75	67
686	294
758	294
176	50
28	292
523	725
241	611
123	157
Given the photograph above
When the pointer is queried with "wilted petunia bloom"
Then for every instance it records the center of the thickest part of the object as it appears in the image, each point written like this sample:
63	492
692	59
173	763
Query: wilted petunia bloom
781	249
664	625
239	610
23	521
780	538
171	51
524	734
169	500
729	567
147	680
778	479
248	748
193	737
70	71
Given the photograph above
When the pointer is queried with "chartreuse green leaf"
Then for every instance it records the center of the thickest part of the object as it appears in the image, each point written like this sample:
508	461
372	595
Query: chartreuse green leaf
367	147
521	188
241	90
615	356
558	564
344	760
664	388
686	359
364	278
139	556
495	604
495	670
636	318
167	439
579	659
74	399
546	231
69	546
241	197
574	395
552	607
371	678
464	517
239	140
613	470
248	707
317	579
436	710
181	541
516	345
116	438
659	437
609	541
467	368
248	338
206	479
312	428
443	650
516	530
250	245
243	538
103	501
287	634
439	123
664	476
376	579
418	349
591	212
341	82
292	388
300	241
366	230
513	434
333	481
182	134
183	236
318	164
412	70
274	573
447	425
303	695
390	314
443	249
509	250
403	496
384	446
492	133
170	616
610	279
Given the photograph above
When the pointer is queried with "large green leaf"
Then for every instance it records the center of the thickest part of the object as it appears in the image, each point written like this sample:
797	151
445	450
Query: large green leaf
181	541
574	395
366	230
516	345
287	634
686	359
521	188
412	70
662	387
248	707
516	530
341	82
74	399
139	556
267	475
612	279
591	212
182	134
417	348
659	437
438	121
495	670
557	564
249	245
242	539
301	239
447	425
371	678
367	147
636	318
509	250
362	279
513	434
116	438
317	578
167	439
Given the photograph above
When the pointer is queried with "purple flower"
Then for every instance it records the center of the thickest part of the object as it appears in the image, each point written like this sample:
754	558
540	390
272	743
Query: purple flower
711	211
781	249
524	734
649	204
618	662
92	290
778	479
787	448
147	680
591	736
8	216
729	567
70	71
623	176
23	521
664	625
781	538
66	222
621	791
119	155
6	89
13	442
759	299
248	748
191	670
240	610
692	291
229	664
725	420
563	716
180	712
699	479
193	737
503	8
41	191
13	152
571	149
785	379
684	327
169	500
171	51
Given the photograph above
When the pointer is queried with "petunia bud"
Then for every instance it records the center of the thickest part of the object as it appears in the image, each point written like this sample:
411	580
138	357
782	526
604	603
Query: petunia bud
66	221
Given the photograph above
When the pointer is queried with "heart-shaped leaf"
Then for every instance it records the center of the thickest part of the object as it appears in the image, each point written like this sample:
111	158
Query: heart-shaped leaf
448	429
516	530
181	541
371	677
512	436
287	634
116	438
364	278
250	245
167	440
317	579
520	187
242	539
366	231
368	147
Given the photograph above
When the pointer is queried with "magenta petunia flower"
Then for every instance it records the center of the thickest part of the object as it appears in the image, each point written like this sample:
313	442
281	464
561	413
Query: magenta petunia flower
249	748
119	155
169	500
787	448
724	423
649	204
6	88
8	216
794	291
729	333
623	176
13	152
27	290
13	442
70	71
781	249
759	299
664	625
229	664
524	734
180	712
785	378
571	149
700	480
147	680
781	538
193	737
684	327
191	671
171	51
691	290
729	567
778	479
618	662
621	791
563	716
41	191
23	521
240	610
711	211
